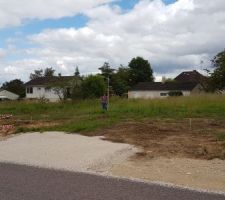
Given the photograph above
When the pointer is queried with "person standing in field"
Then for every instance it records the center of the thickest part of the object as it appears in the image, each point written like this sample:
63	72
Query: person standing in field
104	101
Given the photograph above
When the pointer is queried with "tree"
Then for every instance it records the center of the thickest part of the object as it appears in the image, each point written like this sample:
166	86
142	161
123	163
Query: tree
77	72
76	90
49	72
63	88
16	86
106	71
60	91
217	79
140	71
120	81
37	74
93	86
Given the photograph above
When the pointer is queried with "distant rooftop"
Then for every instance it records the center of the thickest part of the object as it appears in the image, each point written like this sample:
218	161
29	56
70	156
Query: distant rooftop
191	76
43	81
167	86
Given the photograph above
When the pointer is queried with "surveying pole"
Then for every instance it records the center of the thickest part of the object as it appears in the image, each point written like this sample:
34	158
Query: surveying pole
108	91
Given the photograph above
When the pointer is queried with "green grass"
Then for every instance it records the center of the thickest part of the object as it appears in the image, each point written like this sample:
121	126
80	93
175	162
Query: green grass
87	115
221	136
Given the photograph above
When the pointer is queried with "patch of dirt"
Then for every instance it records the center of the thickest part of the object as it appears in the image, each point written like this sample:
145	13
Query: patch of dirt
38	124
6	127
12	125
198	174
170	138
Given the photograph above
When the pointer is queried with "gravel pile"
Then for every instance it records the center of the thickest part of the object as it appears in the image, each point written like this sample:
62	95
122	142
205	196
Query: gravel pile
64	151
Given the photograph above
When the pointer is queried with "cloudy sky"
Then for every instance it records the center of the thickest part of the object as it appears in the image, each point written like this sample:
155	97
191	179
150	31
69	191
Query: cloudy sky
173	35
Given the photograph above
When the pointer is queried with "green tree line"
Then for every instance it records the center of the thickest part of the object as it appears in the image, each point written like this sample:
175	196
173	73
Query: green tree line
120	79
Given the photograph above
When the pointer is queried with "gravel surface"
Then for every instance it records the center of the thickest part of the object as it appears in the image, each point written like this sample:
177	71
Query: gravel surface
30	183
200	174
64	151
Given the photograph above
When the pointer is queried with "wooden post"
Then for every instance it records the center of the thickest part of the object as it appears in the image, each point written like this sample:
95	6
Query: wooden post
190	123
108	93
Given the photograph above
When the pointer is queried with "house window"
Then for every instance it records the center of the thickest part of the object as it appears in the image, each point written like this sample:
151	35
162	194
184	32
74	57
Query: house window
163	94
29	90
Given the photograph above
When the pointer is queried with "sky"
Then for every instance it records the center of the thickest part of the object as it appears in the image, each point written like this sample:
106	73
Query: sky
174	36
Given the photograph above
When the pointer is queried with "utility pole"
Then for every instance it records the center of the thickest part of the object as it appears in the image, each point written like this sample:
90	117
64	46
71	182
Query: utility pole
108	91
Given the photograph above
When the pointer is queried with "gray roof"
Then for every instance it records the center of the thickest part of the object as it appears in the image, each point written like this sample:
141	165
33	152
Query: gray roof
49	80
191	76
167	86
7	92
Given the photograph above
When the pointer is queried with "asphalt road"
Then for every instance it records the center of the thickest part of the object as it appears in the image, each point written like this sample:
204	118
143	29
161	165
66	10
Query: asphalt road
28	183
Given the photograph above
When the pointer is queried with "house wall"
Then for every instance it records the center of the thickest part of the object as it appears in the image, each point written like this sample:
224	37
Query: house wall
43	92
9	95
198	90
151	94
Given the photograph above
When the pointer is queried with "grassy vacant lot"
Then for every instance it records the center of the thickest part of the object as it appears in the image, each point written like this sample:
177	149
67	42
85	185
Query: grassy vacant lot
161	127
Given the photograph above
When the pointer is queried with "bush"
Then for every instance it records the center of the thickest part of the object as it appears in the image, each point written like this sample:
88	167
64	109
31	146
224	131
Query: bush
93	86
175	93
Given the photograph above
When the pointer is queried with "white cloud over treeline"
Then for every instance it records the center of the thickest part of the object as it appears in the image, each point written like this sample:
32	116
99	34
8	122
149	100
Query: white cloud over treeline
172	37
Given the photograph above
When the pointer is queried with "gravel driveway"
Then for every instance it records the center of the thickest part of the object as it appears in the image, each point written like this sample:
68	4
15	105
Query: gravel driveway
64	151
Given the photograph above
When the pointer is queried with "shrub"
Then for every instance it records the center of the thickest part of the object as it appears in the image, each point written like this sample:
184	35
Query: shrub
175	93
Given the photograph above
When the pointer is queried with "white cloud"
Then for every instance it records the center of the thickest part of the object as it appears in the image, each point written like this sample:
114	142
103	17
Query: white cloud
20	69
173	37
10	70
14	12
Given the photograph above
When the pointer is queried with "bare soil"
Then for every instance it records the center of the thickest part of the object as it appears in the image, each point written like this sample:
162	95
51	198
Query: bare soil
17	123
171	138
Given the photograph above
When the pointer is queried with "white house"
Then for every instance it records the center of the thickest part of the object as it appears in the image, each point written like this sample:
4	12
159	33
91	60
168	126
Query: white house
186	83
50	88
6	95
150	90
